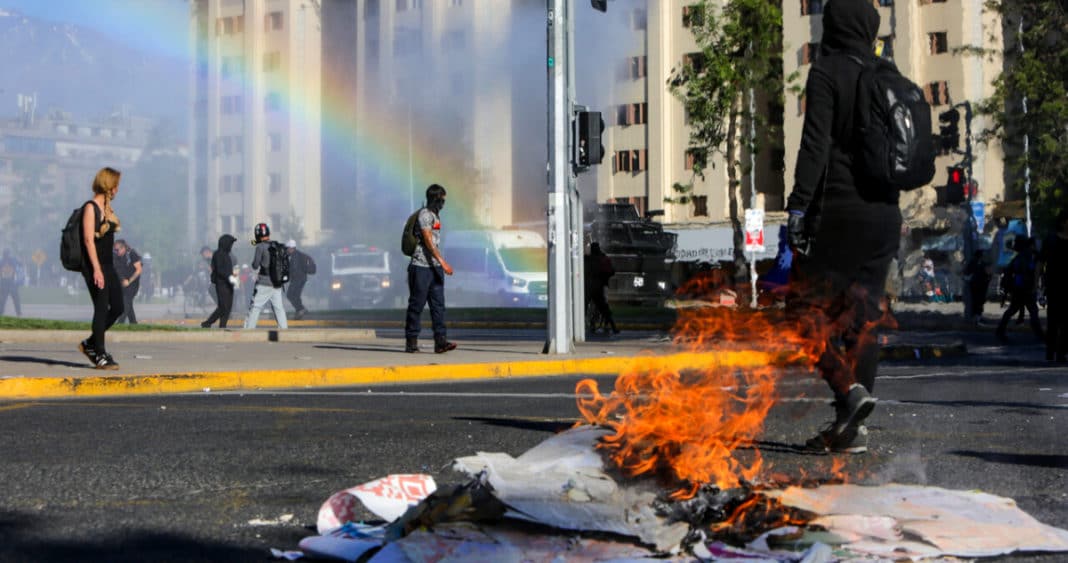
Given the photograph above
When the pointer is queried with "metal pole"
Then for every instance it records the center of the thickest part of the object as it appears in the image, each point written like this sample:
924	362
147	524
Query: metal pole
576	289
558	339
1026	142
752	191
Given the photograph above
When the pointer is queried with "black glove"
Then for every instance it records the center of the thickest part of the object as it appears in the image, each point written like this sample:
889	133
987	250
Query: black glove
795	233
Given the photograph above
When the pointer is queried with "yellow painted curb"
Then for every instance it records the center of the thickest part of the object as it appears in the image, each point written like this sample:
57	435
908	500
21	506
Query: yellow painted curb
102	385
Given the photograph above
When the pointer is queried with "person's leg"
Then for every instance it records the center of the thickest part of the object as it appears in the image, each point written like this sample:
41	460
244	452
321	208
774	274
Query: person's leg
436	298
4	291
260	295
1036	325
294	295
15	298
279	306
1015	306
419	279
100	313
225	292
128	294
117	307
600	300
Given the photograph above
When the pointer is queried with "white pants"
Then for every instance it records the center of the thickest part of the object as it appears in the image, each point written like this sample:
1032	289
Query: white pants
261	294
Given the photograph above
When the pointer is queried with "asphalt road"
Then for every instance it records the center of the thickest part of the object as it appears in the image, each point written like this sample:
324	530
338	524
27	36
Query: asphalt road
225	477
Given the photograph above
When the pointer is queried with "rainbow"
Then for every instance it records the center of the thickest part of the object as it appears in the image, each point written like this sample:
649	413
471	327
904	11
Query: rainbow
160	27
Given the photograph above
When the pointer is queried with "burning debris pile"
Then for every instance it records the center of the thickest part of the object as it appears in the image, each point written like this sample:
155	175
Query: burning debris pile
559	499
665	467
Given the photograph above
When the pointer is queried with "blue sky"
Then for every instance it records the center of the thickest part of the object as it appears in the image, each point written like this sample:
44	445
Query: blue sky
160	26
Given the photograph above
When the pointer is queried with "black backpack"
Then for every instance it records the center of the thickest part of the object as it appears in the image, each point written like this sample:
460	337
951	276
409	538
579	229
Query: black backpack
409	240
894	142
278	266
70	240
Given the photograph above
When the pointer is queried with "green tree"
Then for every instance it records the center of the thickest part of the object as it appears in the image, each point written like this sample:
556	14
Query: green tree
153	203
34	217
740	44
1038	73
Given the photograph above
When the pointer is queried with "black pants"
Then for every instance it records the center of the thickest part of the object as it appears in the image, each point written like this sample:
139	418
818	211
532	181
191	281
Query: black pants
225	293
425	285
10	289
600	300
107	304
296	287
128	294
1017	303
978	296
837	293
1057	327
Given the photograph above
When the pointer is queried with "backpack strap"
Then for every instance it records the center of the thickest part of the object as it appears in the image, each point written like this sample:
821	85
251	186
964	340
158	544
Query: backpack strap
99	213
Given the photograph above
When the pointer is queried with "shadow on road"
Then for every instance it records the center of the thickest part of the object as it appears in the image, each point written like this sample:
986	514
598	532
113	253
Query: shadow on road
998	404
1038	460
553	426
45	361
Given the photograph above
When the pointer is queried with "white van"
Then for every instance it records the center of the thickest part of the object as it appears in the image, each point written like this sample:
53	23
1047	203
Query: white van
494	268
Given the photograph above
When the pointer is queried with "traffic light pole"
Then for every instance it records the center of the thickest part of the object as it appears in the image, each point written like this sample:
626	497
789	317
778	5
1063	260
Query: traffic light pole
560	325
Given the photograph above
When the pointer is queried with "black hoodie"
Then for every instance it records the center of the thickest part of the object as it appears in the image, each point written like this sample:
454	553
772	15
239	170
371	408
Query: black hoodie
850	28
222	265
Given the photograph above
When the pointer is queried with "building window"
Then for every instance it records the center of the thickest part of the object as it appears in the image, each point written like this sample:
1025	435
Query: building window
633	161
811	7
694	60
276	220
690	158
370	9
692	16
455	39
801	105
274	142
273	102
402	5
224	146
937	93
456	3
272	21
700	205
239	183
631	114
274	182
809	53
886	3
239	223
272	61
636	67
640	203
224	184
938	43
932	1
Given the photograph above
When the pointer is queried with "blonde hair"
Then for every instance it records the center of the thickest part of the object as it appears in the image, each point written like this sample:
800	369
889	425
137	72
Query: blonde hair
105	183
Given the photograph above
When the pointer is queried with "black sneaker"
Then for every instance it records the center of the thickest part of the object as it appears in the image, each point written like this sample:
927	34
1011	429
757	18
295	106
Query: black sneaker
854	441
105	361
444	346
86	347
858	405
411	345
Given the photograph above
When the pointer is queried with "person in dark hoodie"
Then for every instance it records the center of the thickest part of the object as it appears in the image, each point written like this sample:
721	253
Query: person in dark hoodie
844	235
222	275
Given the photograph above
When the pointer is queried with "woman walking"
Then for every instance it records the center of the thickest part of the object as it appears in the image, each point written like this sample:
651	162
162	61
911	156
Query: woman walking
99	225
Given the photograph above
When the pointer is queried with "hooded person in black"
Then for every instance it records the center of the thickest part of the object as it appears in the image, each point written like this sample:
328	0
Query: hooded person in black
844	235
222	275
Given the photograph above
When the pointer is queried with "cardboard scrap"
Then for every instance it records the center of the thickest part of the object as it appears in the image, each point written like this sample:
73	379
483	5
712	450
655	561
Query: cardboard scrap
387	498
562	483
927	521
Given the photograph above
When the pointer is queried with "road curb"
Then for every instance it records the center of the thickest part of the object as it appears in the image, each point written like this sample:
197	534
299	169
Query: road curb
176	336
22	388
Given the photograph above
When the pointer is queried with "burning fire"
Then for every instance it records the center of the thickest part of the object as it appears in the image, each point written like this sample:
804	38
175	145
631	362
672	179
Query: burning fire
697	426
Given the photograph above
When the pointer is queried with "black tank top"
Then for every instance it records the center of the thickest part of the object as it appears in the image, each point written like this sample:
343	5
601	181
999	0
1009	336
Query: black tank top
104	244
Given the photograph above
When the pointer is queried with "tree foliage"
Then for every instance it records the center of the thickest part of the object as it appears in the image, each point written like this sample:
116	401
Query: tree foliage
740	44
1039	74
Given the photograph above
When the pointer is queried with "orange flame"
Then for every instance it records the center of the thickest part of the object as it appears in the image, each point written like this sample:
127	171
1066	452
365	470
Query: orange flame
697	425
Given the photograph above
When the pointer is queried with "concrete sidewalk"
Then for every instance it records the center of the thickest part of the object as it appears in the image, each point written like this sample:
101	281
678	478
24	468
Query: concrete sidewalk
47	364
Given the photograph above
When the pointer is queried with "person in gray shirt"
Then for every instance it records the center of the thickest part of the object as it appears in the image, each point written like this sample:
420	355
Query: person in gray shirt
265	290
426	276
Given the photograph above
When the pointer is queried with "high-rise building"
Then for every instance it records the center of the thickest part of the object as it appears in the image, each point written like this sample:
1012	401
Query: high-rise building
256	118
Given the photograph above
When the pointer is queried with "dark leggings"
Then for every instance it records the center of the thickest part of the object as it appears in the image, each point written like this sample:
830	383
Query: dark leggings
225	293
107	304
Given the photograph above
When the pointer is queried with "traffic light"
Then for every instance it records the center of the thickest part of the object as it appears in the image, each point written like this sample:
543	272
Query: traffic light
601	5
949	130
588	145
955	186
